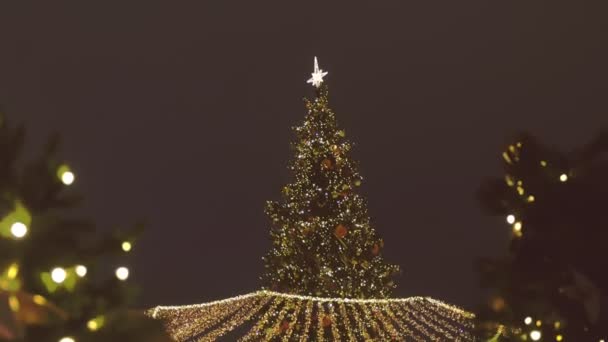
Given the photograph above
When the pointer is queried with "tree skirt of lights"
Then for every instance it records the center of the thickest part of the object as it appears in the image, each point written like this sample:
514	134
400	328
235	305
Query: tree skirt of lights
286	317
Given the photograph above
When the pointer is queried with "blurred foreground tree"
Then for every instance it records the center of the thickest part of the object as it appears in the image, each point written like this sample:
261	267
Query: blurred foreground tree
61	280
552	286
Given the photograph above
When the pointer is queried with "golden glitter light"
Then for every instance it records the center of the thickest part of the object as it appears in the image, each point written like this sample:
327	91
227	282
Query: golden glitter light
288	317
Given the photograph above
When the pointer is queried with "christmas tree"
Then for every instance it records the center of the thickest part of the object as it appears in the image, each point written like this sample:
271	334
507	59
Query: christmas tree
61	280
323	242
325	278
552	284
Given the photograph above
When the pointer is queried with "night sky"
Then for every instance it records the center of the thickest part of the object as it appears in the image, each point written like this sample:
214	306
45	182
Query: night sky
180	113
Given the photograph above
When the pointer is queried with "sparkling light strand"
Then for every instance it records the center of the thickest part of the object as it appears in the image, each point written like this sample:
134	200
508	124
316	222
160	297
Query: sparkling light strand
413	321
388	325
290	317
275	328
254	333
442	321
237	319
346	321
292	325
407	331
308	321
359	322
374	324
335	332
405	321
320	316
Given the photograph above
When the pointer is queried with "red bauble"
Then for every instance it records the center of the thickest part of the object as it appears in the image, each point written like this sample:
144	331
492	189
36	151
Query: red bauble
340	231
326	321
376	249
284	326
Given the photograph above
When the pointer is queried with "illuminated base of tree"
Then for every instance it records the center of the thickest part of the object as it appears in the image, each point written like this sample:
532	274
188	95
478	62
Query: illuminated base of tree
284	317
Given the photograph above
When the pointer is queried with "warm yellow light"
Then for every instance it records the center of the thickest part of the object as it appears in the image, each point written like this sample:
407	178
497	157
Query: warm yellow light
122	273
563	177
535	335
528	320
58	275
557	325
517	229
92	325
13	303
559	337
68	178
543	163
126	246
18	230
511	219
13	271
38	299
539	323
520	190
67	339
81	271
531	199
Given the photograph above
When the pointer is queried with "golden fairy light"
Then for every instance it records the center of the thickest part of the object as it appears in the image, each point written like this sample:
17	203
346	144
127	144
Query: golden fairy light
58	275
290	317
19	230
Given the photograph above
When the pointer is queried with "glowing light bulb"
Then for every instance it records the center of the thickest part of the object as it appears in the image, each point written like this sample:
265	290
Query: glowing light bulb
122	273
563	177
559	337
517	226
67	339
68	178
81	271
19	230
126	246
92	325
539	323
528	320
58	275
511	219
535	335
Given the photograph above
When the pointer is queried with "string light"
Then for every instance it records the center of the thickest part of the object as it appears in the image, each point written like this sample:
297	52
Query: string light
535	335
67	339
559	337
276	316
511	219
81	271
122	273
19	230
517	229
528	320
563	177
58	275
68	178
126	246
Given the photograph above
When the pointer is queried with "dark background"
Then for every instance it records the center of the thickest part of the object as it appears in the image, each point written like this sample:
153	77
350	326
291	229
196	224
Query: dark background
180	113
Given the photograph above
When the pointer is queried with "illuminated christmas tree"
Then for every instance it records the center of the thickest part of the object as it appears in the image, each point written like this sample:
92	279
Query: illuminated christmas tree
552	284
325	279
323	242
61	280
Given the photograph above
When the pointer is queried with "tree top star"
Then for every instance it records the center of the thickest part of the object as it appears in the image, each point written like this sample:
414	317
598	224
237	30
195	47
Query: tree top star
317	75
